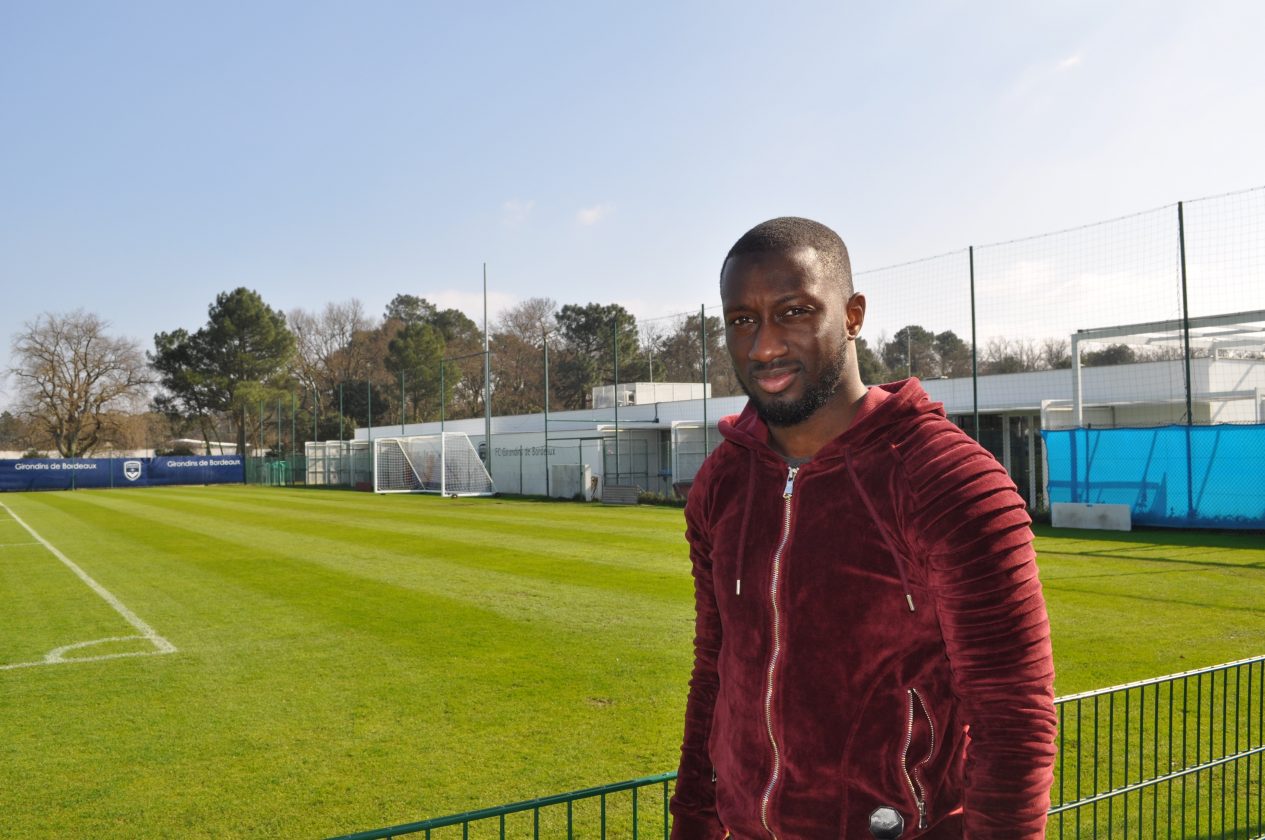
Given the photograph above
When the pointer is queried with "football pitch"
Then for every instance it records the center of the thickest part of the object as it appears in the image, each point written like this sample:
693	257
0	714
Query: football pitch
240	661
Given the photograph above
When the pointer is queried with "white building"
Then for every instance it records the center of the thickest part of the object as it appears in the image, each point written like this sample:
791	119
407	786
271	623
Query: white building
655	445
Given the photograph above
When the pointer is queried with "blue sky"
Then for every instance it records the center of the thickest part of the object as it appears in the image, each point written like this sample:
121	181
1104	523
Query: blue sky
155	154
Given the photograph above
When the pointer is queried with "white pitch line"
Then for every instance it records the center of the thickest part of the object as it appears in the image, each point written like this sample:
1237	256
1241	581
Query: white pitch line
57	656
130	617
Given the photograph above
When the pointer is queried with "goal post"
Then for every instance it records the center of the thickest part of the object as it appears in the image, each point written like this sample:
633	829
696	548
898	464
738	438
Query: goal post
445	463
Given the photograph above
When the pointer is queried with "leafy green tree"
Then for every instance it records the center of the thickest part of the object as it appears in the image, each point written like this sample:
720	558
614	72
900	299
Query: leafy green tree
873	371
590	334
681	353
239	358
410	309
911	352
414	357
953	355
1112	354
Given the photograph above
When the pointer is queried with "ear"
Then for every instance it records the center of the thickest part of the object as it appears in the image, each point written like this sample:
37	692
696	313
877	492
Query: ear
855	309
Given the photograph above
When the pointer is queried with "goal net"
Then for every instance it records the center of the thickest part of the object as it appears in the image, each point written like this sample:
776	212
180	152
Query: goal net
444	463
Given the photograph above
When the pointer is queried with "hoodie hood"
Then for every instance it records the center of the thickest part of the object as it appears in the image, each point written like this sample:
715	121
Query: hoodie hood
885	411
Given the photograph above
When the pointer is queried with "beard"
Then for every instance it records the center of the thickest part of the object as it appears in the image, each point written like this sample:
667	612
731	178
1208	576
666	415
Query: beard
776	412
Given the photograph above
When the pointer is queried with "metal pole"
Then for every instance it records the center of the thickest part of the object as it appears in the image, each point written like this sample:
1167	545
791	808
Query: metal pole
443	395
974	347
340	418
702	328
401	402
615	359
544	340
487	375
1190	405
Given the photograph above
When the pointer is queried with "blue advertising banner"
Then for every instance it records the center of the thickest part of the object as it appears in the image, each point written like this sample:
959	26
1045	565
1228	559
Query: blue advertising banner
73	473
1182	476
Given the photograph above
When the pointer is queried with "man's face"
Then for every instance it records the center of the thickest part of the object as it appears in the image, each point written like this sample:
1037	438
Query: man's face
786	329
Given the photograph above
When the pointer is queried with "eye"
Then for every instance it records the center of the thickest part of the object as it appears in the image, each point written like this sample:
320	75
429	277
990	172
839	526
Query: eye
796	311
741	320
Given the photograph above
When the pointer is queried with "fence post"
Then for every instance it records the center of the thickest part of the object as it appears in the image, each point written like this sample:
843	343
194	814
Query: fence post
702	331
615	353
1190	414
970	250
544	341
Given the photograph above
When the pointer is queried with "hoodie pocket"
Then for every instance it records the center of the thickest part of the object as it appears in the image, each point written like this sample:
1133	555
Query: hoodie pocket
919	749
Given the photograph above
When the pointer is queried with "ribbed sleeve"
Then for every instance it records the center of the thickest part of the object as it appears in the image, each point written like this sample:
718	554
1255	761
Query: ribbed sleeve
972	529
693	805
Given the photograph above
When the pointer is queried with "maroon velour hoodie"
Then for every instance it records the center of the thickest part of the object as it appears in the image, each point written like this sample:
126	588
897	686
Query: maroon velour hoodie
872	647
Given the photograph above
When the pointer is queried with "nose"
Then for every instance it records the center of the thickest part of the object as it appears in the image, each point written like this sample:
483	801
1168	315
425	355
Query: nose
767	344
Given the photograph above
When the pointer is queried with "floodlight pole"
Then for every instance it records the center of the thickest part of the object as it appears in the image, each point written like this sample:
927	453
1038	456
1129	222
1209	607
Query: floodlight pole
402	406
443	395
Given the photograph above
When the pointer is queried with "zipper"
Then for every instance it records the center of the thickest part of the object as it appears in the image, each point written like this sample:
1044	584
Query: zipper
774	583
913	777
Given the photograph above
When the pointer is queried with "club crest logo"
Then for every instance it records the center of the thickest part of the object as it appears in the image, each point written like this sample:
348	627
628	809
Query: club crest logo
131	470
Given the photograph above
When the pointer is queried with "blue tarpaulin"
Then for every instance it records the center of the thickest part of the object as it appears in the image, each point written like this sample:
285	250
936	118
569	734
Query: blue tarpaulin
70	473
1184	476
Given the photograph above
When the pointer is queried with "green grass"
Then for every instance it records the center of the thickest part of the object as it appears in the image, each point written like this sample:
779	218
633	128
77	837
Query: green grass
347	661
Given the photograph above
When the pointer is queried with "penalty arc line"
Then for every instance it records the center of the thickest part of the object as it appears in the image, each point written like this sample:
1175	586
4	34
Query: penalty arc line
130	617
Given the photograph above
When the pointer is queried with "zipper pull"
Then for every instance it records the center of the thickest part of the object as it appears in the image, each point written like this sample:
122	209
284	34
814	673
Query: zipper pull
922	814
790	482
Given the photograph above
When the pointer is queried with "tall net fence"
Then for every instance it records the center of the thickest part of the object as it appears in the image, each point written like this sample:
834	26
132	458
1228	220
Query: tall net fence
1149	320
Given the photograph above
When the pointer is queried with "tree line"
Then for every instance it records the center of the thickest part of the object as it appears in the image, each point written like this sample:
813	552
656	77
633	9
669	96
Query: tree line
332	371
80	390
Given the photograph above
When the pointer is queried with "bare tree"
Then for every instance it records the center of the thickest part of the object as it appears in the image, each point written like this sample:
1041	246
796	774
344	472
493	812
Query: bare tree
1055	353
72	378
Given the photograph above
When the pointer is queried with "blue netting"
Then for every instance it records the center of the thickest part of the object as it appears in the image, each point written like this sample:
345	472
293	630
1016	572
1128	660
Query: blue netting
1186	476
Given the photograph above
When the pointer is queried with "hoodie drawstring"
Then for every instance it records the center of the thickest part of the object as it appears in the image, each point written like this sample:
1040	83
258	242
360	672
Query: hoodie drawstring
746	516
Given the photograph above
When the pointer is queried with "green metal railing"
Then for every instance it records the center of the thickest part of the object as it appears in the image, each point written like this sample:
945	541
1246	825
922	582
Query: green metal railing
1177	756
617	810
1174	757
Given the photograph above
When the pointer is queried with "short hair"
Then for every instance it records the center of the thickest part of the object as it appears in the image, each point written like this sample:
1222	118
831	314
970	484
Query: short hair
787	233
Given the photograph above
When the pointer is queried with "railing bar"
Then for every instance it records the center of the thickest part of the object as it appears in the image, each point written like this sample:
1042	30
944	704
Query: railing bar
1124	791
1124	749
602	820
502	827
1155	754
1167	678
1199	708
634	815
570	820
665	809
1238	704
1169	798
1225	715
536	824
1111	756
1096	758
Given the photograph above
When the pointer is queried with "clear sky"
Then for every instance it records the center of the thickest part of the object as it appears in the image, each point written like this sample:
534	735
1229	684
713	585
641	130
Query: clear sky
154	154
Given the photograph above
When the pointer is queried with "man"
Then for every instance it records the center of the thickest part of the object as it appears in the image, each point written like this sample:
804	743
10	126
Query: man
872	654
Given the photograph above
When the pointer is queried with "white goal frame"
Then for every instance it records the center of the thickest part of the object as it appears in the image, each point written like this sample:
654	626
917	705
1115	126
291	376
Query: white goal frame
445	463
